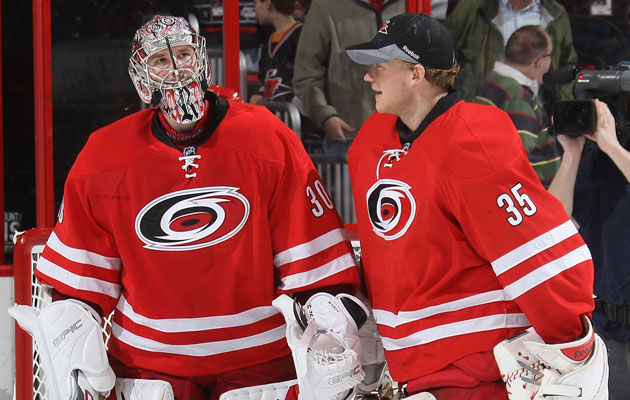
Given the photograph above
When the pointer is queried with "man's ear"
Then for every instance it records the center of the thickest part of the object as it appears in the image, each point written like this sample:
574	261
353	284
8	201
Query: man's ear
418	72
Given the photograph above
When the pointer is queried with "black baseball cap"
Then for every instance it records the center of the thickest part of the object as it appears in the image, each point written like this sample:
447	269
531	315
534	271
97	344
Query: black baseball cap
415	38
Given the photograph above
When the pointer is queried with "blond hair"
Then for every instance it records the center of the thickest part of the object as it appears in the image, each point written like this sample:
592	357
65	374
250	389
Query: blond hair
444	78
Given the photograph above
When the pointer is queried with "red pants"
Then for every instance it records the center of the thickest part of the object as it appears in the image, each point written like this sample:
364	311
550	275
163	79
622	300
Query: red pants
212	386
473	377
484	391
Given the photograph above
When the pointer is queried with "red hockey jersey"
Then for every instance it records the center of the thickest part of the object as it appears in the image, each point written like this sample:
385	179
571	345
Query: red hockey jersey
191	249
461	245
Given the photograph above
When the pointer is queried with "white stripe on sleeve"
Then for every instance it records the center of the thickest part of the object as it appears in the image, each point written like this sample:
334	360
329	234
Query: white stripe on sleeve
308	249
302	279
76	281
533	247
83	256
548	271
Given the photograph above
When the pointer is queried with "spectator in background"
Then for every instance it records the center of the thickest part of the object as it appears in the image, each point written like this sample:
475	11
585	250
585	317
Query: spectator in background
275	67
596	193
326	81
513	86
277	54
481	28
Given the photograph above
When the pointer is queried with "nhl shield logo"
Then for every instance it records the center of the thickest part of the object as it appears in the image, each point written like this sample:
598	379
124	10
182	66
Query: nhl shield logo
391	208
192	219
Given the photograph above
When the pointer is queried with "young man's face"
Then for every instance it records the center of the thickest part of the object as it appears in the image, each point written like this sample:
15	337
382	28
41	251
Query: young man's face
161	63
261	8
391	81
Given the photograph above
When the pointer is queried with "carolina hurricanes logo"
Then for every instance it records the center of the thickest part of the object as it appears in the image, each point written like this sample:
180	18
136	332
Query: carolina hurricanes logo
192	219
383	28
391	208
270	87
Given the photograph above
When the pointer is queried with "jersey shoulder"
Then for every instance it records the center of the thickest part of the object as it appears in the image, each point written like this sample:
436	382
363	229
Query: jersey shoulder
117	144
376	129
253	129
472	141
377	133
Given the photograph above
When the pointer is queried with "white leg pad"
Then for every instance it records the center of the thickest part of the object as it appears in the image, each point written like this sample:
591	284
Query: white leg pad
143	389
272	391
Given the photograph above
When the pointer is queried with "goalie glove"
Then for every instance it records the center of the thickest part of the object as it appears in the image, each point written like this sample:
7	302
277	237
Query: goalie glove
324	341
69	338
533	370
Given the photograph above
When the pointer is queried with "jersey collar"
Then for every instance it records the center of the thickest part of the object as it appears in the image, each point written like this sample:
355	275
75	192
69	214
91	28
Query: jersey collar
217	108
407	136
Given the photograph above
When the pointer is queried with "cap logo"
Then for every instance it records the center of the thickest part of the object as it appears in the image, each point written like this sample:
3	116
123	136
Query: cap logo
383	29
410	52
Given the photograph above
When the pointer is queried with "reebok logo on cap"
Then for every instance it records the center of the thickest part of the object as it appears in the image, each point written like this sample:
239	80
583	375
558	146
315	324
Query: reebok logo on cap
411	53
410	37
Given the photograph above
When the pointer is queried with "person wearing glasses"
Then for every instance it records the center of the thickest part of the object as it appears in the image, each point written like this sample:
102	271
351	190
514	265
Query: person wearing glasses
513	87
481	29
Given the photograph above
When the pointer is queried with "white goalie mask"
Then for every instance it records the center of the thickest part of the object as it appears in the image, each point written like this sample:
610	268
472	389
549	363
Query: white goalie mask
169	67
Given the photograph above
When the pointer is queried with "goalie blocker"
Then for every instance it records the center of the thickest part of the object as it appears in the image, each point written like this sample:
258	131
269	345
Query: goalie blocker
69	338
533	370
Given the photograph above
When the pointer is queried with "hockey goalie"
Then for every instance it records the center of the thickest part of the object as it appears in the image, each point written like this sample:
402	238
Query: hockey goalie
186	220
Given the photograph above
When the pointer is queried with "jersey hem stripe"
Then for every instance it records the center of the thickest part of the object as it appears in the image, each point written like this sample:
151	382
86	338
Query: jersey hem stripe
198	349
176	325
392	320
475	325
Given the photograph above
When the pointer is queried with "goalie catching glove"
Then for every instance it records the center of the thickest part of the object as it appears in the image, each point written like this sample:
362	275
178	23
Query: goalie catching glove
324	339
533	370
69	338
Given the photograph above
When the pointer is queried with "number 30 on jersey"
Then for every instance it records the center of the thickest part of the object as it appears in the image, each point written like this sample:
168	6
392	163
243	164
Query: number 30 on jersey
317	195
516	204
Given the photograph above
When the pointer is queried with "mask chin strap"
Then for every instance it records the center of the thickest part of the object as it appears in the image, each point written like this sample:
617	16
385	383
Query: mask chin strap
156	97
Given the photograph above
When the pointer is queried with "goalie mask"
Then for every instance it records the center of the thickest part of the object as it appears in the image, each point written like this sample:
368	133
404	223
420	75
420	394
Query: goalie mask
169	67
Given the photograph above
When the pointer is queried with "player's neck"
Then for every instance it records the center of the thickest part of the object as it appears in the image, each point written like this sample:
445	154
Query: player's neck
183	135
282	22
417	109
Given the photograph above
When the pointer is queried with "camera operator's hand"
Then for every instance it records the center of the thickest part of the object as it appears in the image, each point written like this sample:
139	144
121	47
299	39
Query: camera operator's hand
572	145
605	134
563	184
606	137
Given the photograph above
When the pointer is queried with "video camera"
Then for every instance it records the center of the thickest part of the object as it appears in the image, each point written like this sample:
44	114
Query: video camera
611	85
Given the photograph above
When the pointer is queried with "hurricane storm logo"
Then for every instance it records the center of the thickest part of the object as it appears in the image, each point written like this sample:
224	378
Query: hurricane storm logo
391	208
192	219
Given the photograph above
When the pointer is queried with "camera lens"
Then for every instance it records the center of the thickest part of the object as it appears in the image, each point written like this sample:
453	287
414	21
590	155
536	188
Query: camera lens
579	117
